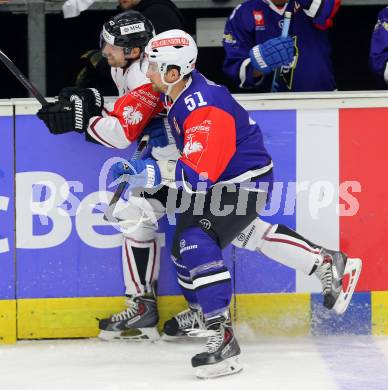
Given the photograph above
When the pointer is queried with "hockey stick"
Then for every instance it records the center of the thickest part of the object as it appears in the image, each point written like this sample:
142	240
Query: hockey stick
23	79
285	29
108	216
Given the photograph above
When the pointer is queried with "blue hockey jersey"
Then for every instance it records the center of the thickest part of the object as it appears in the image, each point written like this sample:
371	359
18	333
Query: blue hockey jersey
255	21
378	57
217	138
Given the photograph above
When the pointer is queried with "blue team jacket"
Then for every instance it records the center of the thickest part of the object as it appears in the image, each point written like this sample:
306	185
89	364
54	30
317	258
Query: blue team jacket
255	21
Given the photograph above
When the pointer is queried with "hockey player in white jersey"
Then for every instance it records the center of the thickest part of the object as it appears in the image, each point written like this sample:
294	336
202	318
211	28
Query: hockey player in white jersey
117	125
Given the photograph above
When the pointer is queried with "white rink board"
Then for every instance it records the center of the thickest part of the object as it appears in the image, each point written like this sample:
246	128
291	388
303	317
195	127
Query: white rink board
268	101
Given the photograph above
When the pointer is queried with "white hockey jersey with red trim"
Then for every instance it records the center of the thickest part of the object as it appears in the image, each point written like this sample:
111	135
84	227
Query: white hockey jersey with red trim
130	78
130	115
124	120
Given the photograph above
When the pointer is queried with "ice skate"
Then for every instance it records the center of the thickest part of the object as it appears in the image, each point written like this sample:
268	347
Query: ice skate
222	352
334	267
180	325
137	322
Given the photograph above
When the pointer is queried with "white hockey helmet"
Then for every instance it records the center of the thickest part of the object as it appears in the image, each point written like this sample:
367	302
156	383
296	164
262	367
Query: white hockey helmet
172	47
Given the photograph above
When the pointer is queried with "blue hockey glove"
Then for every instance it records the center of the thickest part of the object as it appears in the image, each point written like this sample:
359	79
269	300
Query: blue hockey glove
157	130
143	173
272	54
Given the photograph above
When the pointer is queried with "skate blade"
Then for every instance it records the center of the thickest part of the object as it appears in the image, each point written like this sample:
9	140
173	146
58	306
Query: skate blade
137	334
171	339
168	338
229	366
353	269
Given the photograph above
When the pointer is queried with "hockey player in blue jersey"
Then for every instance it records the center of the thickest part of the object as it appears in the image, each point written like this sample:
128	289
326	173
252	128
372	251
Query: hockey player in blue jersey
254	48
378	56
226	172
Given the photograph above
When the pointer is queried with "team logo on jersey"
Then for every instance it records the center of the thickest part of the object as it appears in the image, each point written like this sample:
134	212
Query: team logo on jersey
259	20
203	126
192	146
132	115
229	38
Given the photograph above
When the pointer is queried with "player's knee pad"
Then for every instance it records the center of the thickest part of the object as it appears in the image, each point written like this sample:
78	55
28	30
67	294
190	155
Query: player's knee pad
251	237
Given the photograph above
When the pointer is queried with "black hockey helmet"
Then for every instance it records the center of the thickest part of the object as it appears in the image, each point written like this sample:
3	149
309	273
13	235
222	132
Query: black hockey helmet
128	29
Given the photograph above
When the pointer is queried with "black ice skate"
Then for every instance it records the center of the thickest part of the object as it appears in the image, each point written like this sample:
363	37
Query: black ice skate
180	325
137	322
221	356
334	267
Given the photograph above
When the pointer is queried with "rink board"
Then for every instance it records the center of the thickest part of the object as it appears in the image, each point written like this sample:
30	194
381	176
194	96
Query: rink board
380	313
7	225
297	314
69	266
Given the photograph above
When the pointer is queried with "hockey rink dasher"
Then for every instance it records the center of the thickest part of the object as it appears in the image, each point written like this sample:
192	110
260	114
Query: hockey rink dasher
71	275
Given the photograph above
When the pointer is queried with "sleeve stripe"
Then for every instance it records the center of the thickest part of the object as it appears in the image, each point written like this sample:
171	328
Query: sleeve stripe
313	10
243	71
97	136
329	21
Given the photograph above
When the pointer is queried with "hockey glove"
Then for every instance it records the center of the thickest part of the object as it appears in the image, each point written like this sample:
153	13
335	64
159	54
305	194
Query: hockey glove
88	102
158	130
272	54
73	110
58	117
143	173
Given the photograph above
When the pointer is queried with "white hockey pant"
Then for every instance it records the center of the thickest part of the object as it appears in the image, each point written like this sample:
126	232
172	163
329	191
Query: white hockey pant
281	244
140	247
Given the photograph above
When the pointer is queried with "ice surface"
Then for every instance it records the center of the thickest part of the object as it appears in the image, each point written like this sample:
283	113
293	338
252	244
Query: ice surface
316	363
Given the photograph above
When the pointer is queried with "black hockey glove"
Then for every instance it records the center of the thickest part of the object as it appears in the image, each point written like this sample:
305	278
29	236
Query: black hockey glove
87	100
73	110
58	117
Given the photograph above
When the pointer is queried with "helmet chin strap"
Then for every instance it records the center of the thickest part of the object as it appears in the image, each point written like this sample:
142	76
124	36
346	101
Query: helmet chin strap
170	85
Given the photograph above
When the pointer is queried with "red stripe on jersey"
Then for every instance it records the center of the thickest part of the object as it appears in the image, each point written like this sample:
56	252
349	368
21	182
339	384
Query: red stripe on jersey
329	21
209	141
